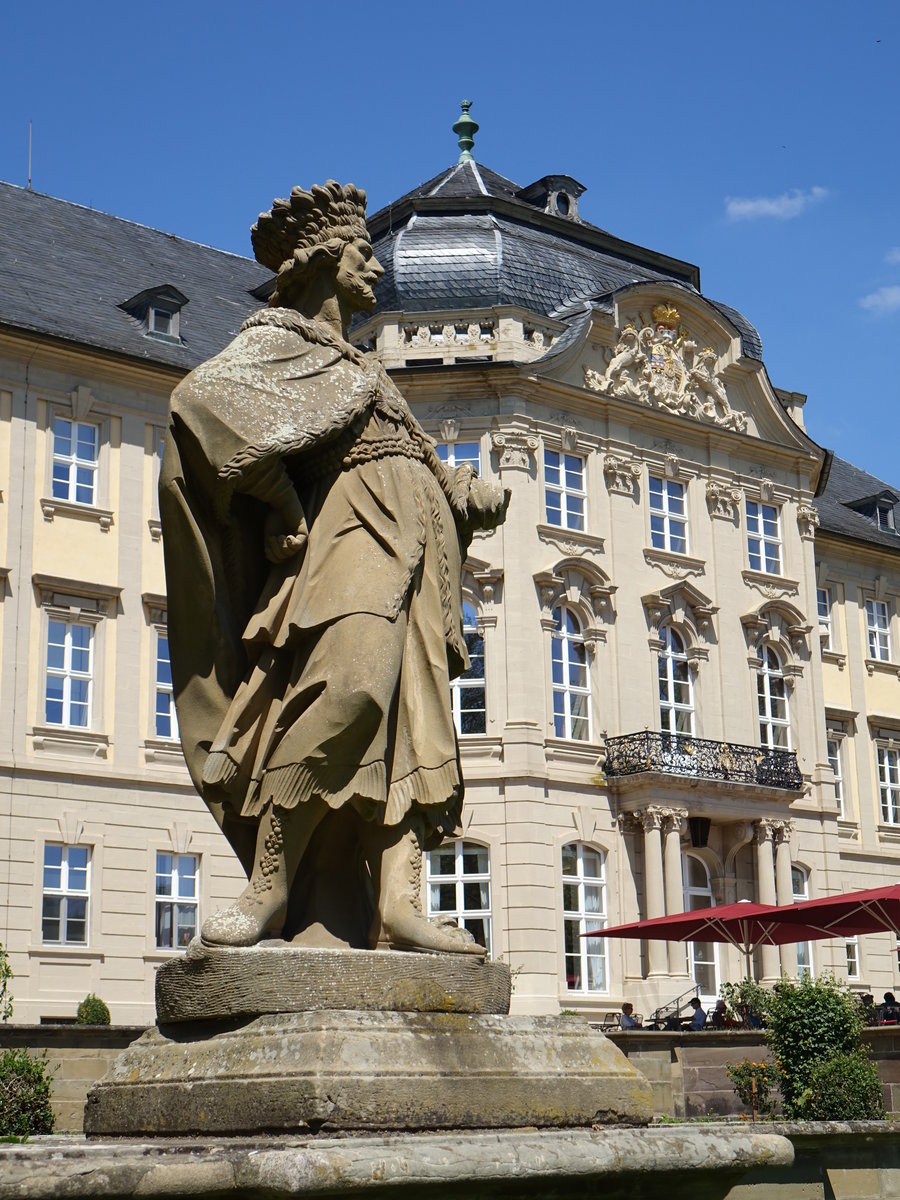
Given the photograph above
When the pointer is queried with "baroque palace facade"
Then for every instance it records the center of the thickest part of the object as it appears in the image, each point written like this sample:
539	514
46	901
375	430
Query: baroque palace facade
685	680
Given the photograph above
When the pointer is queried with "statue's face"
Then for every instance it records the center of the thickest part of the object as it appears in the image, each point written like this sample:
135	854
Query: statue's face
358	272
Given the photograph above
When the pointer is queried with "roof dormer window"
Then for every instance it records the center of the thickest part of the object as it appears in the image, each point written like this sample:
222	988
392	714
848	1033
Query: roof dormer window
879	509
884	516
158	309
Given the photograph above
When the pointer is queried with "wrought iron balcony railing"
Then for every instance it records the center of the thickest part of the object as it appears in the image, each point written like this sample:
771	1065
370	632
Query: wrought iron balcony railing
682	754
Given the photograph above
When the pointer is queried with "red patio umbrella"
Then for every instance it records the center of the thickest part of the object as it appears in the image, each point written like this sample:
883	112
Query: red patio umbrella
876	910
744	925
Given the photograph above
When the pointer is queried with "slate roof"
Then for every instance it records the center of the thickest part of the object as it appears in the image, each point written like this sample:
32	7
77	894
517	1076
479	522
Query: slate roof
467	239
65	269
847	485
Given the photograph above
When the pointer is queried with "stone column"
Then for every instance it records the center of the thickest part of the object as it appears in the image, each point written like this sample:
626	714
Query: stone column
765	882
784	887
673	824
651	820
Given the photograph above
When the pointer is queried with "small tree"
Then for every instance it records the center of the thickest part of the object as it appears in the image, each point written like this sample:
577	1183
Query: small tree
92	1011
812	1023
25	1078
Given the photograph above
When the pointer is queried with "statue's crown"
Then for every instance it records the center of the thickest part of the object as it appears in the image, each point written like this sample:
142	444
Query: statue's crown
665	314
307	219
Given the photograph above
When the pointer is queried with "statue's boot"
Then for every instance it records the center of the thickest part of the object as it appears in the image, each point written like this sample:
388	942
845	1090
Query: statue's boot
261	908
399	923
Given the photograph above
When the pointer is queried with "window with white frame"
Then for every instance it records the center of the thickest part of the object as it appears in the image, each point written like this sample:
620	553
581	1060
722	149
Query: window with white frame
166	717
584	910
878	629
668	515
458	878
835	761
163	321
702	958
76	449
69	678
564	490
800	890
458	454
65	894
467	692
676	693
823	604
764	537
771	691
851	948
177	878
571	678
889	784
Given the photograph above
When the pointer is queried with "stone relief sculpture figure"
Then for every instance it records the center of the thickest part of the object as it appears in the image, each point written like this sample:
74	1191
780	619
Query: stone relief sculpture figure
313	545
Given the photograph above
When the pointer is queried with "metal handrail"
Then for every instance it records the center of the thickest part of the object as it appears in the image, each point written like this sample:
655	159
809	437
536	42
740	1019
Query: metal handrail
686	755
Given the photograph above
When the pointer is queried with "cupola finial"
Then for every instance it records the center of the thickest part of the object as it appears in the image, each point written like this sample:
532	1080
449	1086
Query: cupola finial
465	129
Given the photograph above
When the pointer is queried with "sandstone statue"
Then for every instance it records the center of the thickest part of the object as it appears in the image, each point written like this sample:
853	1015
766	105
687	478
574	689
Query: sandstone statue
313	547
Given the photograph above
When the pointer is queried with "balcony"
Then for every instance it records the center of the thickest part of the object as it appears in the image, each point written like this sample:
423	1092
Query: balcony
699	758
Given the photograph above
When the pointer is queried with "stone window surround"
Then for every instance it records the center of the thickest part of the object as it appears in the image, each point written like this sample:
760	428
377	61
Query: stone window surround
564	446
581	998
67	829
86	603
80	406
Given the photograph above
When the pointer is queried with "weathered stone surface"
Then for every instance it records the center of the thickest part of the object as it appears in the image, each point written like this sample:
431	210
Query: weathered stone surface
211	983
619	1164
352	1070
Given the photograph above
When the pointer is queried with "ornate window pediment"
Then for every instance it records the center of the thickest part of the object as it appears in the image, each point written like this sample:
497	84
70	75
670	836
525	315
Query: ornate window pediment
783	627
688	610
658	363
584	588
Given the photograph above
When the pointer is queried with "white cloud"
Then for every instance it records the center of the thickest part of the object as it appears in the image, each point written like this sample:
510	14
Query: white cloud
893	256
783	208
885	300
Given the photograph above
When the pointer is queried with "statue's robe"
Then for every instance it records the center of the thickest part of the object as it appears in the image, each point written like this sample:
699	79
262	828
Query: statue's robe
327	674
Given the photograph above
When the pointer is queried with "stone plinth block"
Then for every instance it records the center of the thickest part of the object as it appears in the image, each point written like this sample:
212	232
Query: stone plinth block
361	1070
221	983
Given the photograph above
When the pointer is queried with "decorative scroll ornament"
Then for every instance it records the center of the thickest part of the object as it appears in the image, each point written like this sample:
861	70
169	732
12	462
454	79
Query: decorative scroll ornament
808	521
659	365
516	450
621	474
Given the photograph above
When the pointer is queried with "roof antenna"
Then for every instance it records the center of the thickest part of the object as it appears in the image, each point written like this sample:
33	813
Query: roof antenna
29	155
465	129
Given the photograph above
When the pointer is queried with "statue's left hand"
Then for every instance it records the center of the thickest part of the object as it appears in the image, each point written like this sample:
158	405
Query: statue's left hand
487	504
280	545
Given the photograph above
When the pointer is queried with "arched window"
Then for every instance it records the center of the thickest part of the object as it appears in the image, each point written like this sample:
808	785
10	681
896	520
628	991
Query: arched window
584	908
702	957
800	889
571	681
467	692
774	719
459	886
676	693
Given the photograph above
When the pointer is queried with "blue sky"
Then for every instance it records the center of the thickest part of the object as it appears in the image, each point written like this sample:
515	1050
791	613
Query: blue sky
758	141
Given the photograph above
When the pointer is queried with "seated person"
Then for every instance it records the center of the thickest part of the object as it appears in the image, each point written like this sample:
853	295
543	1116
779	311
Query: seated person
719	1016
890	1011
698	1020
627	1020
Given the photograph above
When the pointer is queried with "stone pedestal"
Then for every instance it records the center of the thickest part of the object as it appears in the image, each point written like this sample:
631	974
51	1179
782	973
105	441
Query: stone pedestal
275	1038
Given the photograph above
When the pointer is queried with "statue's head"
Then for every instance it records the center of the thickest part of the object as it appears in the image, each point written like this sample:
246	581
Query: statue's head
316	231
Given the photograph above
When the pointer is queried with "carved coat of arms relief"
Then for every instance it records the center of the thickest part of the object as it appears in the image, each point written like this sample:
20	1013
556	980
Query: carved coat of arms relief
658	363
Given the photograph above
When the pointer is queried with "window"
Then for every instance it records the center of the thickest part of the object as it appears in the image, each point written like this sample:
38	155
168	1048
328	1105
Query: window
584	909
878	627
75	456
668	518
884	516
702	958
571	682
852	949
176	899
889	784
676	700
456	454
823	603
166	717
467	692
66	891
834	761
800	890
459	886
564	493
162	321
764	537
774	719
70	647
